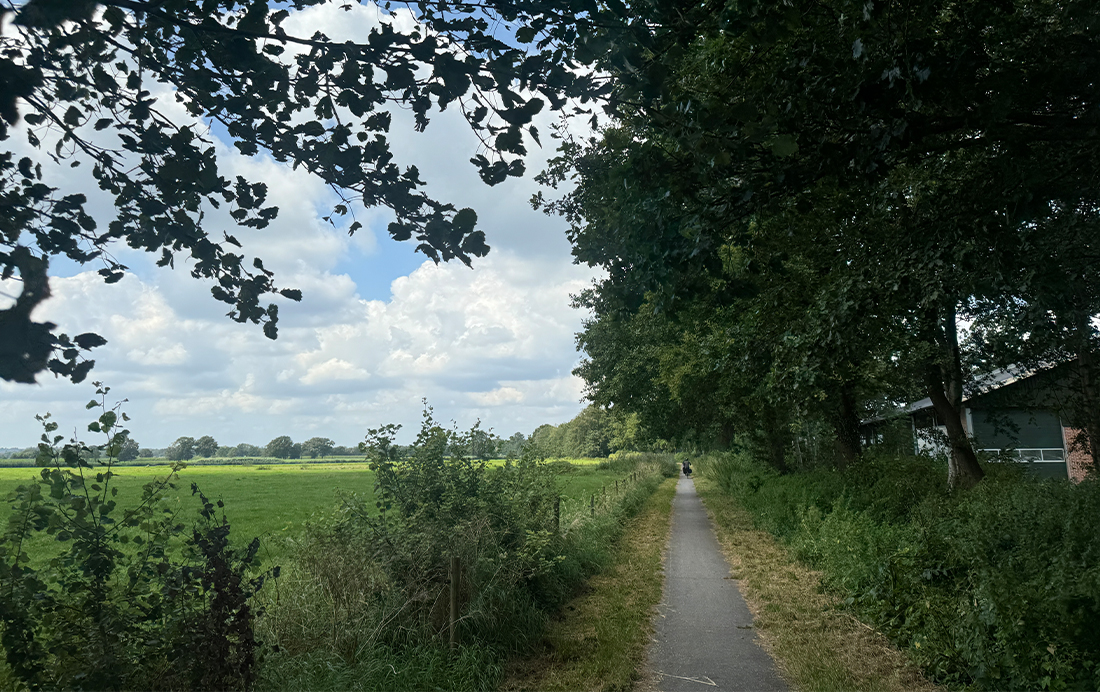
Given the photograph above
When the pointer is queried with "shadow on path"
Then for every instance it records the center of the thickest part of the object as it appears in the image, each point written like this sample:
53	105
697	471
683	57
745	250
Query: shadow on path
705	638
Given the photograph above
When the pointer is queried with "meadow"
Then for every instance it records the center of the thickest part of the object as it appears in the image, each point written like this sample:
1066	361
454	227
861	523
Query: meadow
274	501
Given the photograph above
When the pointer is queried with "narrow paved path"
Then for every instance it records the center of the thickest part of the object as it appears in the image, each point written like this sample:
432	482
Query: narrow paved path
705	639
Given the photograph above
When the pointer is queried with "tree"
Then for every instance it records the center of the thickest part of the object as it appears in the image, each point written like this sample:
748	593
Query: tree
379	442
317	447
281	447
181	450
206	447
942	134
589	433
481	444
546	439
78	84
513	446
246	450
130	450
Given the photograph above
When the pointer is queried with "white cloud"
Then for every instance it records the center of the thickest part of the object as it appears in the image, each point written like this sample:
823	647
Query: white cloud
495	342
333	369
500	396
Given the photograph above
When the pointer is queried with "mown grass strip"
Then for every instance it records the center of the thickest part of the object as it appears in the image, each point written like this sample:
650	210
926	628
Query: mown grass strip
599	641
817	646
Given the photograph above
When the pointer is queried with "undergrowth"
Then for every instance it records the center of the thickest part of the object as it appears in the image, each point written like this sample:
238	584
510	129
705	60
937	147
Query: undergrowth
994	588
365	603
146	597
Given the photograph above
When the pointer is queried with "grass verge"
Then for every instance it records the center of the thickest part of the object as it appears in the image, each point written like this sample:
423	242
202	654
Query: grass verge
817	646
598	642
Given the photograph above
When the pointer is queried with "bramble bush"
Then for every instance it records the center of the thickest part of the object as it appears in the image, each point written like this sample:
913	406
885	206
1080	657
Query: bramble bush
379	572
993	588
96	597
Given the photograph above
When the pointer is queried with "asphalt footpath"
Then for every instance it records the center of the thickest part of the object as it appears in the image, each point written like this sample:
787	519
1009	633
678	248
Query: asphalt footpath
705	638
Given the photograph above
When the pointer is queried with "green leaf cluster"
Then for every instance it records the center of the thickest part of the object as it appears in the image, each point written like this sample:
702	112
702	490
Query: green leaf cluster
79	85
95	596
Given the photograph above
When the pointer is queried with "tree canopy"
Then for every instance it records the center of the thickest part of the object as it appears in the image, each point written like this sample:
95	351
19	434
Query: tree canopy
79	82
802	201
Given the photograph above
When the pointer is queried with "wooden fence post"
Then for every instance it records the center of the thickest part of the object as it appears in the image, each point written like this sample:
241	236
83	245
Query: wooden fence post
454	604
616	486
592	504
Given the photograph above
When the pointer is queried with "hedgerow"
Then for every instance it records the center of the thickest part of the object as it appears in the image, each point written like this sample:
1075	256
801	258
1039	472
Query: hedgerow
365	604
995	588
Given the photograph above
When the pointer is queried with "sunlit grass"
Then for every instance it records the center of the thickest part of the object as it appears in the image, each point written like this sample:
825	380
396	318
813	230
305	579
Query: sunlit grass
599	641
275	501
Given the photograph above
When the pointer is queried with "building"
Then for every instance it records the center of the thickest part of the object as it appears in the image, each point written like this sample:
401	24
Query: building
1029	417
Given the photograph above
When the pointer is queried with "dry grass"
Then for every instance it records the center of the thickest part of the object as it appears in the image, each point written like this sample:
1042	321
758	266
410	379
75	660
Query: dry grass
817	646
599	641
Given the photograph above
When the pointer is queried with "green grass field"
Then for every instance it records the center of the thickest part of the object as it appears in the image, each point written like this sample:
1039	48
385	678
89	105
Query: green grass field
275	501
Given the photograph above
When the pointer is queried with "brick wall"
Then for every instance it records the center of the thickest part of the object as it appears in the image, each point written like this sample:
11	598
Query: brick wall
1079	460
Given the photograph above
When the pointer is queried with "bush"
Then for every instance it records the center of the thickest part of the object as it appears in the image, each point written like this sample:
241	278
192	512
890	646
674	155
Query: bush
382	579
623	462
995	588
109	602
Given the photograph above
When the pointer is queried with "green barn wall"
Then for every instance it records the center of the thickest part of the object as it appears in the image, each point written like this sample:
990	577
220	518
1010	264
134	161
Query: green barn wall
1017	428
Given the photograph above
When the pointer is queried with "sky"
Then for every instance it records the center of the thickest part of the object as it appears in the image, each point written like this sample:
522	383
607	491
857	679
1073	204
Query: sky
380	328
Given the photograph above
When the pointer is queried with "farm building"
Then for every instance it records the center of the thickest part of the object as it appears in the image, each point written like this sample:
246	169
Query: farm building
1025	416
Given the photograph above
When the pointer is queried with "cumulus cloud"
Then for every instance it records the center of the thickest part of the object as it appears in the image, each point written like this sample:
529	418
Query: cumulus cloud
378	330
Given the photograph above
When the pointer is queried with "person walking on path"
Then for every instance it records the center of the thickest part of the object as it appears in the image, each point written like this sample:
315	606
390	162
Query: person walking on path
705	638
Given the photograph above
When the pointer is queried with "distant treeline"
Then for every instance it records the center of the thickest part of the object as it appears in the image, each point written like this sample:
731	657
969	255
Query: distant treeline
594	432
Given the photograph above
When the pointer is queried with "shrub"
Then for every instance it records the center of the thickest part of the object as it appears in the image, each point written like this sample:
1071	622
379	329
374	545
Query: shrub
995	588
136	601
382	580
623	462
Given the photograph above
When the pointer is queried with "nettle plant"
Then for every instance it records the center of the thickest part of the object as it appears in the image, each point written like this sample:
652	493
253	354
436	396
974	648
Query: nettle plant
100	592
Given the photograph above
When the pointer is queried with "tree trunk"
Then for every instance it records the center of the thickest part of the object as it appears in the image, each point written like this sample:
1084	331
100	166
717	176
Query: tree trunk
846	426
776	441
725	434
945	388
